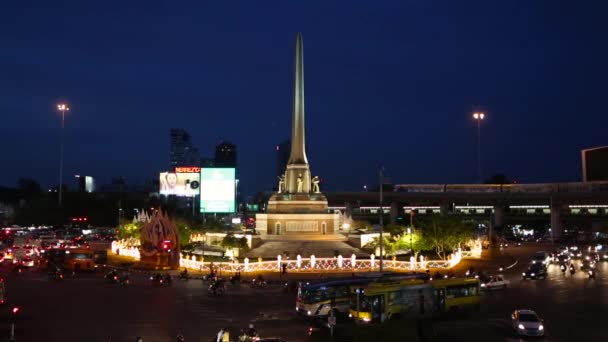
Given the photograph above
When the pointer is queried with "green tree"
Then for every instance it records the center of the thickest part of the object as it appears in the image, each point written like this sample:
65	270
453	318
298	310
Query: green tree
446	233
415	241
129	230
395	229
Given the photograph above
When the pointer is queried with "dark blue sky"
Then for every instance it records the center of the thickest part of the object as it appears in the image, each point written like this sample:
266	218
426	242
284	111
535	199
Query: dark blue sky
388	83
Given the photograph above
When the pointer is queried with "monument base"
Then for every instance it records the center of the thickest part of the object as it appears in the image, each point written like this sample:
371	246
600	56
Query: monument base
297	224
303	203
157	261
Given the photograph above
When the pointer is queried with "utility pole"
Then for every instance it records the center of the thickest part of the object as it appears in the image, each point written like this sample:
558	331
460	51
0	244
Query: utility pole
381	222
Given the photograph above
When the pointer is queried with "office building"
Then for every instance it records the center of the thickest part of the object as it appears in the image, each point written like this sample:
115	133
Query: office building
225	155
181	151
595	164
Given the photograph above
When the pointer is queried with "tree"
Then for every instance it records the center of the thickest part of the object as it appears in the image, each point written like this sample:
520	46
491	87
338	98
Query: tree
415	241
446	233
129	230
394	229
230	242
498	178
29	187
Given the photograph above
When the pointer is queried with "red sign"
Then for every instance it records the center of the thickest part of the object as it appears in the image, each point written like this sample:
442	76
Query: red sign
187	169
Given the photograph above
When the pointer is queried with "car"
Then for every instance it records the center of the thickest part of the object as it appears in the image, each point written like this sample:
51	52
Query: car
592	256
541	257
527	323
494	283
535	271
587	264
563	259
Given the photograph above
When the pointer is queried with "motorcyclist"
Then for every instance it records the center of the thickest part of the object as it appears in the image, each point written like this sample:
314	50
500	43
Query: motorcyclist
184	274
572	269
251	332
563	268
591	274
167	279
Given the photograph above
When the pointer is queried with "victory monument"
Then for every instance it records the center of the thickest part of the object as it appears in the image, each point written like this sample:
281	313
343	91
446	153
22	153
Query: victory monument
298	207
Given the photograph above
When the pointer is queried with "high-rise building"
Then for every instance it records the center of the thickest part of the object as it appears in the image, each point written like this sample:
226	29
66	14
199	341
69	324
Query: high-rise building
225	154
595	164
181	151
207	162
283	150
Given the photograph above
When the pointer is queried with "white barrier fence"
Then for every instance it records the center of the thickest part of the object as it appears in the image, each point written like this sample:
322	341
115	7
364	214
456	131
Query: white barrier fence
312	264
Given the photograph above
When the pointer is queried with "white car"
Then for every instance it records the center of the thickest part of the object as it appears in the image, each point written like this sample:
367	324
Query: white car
494	283
527	323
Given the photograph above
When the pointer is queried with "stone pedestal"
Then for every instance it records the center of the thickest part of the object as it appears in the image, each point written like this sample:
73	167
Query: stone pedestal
297	224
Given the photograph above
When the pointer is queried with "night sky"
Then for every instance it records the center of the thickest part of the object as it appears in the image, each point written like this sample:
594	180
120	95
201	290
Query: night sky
391	83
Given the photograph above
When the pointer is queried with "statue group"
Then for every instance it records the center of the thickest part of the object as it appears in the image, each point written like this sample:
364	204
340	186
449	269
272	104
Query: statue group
300	184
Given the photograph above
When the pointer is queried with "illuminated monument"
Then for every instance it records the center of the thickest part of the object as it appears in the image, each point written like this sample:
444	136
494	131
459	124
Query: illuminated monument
298	207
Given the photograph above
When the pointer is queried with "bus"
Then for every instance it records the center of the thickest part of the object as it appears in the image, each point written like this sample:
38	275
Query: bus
384	300
318	299
456	295
79	259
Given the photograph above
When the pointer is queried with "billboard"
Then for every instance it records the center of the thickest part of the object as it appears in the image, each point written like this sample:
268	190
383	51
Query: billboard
179	184
218	190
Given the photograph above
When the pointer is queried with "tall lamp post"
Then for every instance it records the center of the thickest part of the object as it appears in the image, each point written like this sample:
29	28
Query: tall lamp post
381	222
62	107
479	117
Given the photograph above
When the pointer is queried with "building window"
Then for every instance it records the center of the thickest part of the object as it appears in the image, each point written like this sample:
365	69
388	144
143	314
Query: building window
277	228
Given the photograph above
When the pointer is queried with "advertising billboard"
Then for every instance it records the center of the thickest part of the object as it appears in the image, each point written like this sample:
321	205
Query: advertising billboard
218	190
179	184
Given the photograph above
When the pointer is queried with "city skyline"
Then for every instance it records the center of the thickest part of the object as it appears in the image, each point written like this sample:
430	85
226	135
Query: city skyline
404	103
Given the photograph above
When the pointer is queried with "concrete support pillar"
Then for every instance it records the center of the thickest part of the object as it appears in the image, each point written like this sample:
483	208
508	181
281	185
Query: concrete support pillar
557	229
348	211
394	212
497	222
444	209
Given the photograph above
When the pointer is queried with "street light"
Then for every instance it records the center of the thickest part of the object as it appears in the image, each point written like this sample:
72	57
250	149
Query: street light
479	117
381	221
62	107
409	232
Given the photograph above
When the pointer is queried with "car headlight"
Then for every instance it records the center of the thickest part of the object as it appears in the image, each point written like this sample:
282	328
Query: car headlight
521	327
483	285
532	274
350	315
540	327
309	313
524	274
365	319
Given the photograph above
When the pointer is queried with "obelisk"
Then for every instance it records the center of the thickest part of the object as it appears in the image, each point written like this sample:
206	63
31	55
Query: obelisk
298	170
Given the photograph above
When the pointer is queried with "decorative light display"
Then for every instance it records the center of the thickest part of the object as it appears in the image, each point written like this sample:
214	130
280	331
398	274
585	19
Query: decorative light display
312	264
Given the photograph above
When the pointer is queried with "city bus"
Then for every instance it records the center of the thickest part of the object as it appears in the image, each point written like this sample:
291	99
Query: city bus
382	300
314	300
456	295
79	259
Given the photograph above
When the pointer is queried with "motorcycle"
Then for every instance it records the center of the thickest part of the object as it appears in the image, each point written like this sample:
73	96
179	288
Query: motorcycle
57	275
572	270
167	280
591	274
563	268
112	277
157	279
124	280
184	276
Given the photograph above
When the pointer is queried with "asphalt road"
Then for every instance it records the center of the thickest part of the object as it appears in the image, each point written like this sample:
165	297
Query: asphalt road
573	307
87	308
